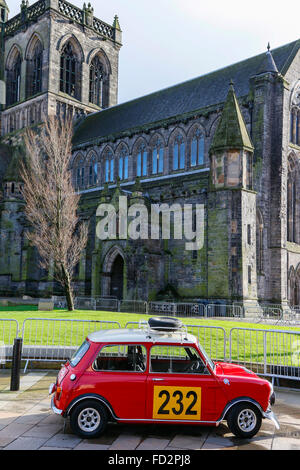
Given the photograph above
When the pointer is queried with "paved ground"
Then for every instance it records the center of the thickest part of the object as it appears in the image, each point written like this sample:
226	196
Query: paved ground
27	422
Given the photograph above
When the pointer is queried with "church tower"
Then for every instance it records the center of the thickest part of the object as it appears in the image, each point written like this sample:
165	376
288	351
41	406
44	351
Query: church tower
232	209
3	18
57	59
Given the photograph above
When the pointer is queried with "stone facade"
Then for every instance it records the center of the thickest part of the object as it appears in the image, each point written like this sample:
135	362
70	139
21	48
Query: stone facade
238	155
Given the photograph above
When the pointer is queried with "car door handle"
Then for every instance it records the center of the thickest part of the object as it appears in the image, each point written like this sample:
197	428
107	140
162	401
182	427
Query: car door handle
158	380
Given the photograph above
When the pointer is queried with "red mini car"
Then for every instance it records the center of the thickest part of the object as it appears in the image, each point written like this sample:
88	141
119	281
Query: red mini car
157	374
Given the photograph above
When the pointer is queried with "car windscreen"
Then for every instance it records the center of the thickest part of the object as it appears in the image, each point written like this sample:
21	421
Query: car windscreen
206	357
80	353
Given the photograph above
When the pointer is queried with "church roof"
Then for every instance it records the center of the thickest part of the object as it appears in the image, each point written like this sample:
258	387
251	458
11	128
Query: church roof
187	97
231	132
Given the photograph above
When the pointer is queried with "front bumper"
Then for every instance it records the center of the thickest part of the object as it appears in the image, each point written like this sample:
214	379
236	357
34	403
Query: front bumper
270	415
54	409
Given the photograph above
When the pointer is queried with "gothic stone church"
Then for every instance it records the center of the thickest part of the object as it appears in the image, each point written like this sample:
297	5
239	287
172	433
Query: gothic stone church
235	148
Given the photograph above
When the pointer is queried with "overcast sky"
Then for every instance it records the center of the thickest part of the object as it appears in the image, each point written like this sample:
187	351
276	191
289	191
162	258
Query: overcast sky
169	41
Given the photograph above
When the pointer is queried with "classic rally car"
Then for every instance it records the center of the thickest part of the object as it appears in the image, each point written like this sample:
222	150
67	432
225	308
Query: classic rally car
157	373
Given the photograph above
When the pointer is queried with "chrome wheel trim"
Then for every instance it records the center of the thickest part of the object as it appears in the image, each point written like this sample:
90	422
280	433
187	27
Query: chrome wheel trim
247	420
89	420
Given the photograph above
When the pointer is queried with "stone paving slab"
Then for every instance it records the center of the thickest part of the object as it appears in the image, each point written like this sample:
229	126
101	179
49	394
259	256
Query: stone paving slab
27	422
153	443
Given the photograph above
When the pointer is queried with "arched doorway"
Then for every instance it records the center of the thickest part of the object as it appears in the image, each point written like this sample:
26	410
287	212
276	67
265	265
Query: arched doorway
117	276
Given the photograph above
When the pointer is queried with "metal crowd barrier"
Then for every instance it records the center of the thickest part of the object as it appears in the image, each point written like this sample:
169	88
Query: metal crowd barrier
88	303
46	339
133	306
212	338
268	352
9	330
162	308
223	310
195	309
106	304
274	353
190	309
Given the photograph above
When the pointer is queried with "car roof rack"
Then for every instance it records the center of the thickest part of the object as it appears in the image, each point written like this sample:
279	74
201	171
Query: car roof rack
160	329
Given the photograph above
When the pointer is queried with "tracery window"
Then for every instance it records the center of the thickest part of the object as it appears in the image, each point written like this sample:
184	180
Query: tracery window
97	79
123	164
295	118
292	206
197	149
79	173
109	166
179	153
35	70
14	81
142	161
158	157
69	72
93	171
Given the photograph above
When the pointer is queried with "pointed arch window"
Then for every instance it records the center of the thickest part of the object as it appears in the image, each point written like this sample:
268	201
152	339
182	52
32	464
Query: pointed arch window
96	82
142	161
197	149
35	71
93	171
179	153
80	174
69	72
14	81
295	126
123	164
109	165
158	157
292	209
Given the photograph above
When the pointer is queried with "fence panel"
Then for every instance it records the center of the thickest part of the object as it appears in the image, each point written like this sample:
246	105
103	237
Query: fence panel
133	306
59	301
56	339
212	338
269	312
190	310
9	330
106	304
274	353
87	303
219	310
162	308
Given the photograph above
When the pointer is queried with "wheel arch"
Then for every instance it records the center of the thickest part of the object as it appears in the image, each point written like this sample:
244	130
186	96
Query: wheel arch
91	396
238	401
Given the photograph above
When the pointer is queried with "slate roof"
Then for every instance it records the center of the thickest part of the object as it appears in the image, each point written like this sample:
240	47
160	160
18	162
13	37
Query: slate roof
186	97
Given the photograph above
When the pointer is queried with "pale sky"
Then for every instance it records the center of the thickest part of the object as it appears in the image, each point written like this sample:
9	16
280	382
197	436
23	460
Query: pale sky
169	41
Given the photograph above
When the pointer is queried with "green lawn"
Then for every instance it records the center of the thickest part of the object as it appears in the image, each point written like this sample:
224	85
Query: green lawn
246	345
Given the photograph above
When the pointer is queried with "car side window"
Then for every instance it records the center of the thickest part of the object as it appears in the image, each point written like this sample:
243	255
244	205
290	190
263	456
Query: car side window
176	360
122	358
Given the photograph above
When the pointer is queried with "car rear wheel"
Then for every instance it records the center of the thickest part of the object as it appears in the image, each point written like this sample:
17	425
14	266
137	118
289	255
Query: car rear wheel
89	419
244	420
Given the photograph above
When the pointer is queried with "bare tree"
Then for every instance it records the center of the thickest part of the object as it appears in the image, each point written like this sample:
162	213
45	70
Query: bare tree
51	203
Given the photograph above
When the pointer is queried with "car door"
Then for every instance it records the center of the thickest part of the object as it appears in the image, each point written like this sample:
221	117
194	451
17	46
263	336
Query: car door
180	387
119	375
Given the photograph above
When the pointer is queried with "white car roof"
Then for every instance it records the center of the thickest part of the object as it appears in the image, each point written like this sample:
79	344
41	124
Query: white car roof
140	335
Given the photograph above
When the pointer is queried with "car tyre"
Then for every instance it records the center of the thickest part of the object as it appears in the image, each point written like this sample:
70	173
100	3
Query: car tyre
244	420
89	419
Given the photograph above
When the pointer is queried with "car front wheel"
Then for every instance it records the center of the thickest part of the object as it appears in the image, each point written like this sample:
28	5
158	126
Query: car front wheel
89	419
244	420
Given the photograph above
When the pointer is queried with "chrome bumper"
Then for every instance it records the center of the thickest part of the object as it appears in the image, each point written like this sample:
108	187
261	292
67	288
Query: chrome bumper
54	409
270	415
